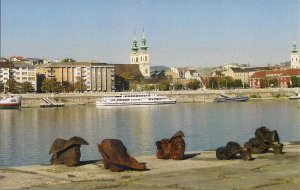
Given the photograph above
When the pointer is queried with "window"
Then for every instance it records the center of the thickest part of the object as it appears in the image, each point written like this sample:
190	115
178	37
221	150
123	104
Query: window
146	58
137	60
146	71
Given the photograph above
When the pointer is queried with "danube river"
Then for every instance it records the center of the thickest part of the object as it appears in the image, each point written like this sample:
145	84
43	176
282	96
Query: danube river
27	134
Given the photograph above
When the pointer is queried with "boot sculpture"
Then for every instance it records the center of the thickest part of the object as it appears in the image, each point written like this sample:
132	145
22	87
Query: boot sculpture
231	150
67	151
116	158
171	148
264	139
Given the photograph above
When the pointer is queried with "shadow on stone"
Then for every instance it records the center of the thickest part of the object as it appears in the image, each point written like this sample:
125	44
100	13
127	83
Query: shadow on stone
188	156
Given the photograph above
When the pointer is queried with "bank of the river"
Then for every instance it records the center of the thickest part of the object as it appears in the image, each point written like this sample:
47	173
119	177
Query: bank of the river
201	170
34	100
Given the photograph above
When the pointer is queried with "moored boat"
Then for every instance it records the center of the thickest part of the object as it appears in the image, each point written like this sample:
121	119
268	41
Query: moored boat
134	99
238	98
12	102
297	97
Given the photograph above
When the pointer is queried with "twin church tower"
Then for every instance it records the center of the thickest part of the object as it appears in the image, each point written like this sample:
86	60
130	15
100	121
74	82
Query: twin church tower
140	56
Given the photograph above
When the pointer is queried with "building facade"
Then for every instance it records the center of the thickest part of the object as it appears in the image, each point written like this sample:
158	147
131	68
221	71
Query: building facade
295	62
140	56
96	76
20	71
273	78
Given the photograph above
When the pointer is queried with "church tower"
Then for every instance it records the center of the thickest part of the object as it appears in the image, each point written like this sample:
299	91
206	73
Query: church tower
141	56
295	63
134	52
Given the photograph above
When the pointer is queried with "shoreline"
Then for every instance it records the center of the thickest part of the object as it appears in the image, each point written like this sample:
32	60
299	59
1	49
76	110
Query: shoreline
186	96
201	170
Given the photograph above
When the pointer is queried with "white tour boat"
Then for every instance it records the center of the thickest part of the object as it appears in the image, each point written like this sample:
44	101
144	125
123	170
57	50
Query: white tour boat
13	102
134	99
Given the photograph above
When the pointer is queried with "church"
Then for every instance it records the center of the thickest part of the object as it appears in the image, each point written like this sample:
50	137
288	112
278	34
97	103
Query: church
140	56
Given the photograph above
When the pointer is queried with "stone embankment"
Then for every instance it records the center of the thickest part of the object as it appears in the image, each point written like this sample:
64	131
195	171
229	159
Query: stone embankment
34	100
200	170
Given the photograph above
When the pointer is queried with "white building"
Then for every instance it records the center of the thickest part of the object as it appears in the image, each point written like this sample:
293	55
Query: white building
141	56
295	62
19	71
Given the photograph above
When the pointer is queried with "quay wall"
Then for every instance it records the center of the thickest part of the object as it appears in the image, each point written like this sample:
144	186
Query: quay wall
71	99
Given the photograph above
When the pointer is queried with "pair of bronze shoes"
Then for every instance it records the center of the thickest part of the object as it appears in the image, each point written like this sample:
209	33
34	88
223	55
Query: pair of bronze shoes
113	151
263	141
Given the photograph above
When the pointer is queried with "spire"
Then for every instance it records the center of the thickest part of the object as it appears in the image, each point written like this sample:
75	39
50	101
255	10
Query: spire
144	46
294	50
135	47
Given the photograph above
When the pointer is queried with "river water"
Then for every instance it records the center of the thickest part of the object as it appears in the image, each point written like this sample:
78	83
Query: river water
27	134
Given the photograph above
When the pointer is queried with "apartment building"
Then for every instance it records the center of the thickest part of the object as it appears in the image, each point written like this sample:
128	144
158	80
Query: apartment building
19	71
97	76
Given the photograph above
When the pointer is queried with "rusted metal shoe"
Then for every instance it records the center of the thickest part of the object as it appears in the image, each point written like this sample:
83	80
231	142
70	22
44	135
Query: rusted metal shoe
116	158
67	152
229	152
171	148
263	141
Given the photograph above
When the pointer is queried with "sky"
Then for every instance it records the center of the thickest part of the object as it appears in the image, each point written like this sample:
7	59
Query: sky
201	33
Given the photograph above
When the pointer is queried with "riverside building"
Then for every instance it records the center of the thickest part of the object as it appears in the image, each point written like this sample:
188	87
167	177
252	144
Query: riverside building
140	56
20	71
96	76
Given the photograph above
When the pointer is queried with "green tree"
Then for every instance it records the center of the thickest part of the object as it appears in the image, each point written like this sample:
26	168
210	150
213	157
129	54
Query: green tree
68	60
12	86
213	83
178	86
26	87
237	83
194	84
67	86
80	85
295	81
50	85
1	87
164	85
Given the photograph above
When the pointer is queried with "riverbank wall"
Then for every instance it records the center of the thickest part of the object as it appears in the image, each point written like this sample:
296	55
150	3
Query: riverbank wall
185	96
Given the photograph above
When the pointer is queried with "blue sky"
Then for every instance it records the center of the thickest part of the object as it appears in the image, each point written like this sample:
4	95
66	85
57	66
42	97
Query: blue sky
178	32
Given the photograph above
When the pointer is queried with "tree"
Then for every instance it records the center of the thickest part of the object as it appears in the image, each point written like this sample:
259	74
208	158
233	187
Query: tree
237	83
26	87
178	86
194	84
12	86
67	86
295	81
1	87
213	83
80	84
68	60
164	85
50	85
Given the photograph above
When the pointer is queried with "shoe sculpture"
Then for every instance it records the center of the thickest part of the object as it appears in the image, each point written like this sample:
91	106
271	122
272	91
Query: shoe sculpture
231	151
67	152
171	148
116	158
264	139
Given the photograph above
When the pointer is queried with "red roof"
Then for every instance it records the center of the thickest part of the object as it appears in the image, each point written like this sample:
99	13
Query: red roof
276	73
